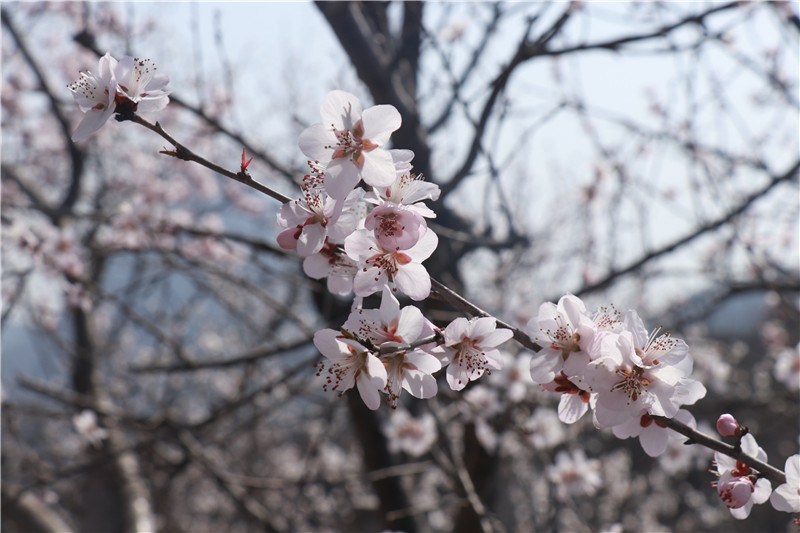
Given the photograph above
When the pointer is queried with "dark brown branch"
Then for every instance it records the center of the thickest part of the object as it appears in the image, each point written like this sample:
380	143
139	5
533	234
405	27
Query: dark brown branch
440	292
695	437
181	152
616	44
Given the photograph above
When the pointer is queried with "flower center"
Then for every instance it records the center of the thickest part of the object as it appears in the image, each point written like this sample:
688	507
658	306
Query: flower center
633	382
351	144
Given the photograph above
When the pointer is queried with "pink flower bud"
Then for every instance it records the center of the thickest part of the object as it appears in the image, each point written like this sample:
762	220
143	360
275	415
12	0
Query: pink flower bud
735	491
727	426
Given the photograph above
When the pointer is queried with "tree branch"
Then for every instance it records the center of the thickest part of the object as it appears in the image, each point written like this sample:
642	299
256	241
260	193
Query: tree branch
775	475
711	226
181	152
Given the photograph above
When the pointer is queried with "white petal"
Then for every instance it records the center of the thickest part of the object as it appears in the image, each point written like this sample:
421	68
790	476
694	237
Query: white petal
316	266
340	109
413	280
496	338
410	324
420	385
378	170
457	376
455	331
368	391
341	177
311	240
379	123
423	361
313	140
328	344
425	246
571	408
369	281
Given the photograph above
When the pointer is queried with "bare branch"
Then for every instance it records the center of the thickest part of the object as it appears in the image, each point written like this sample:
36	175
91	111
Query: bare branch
695	437
711	226
181	152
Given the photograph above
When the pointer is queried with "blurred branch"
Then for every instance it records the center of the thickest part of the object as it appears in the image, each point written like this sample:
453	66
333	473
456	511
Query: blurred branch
711	226
251	506
75	153
454	463
458	83
615	45
30	513
249	356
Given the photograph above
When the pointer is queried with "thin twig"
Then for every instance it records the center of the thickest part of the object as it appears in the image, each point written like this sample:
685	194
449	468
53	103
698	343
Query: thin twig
695	437
449	296
181	152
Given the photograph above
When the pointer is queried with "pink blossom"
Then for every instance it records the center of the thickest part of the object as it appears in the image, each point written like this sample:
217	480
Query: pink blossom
574	401
563	330
86	424
130	84
408	434
654	349
333	263
350	363
378	266
471	346
732	490
574	475
396	227
735	491
393	328
727	426
349	142
409	190
315	217
626	386
515	379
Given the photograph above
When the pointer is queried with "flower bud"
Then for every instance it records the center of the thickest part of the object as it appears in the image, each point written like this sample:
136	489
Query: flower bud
727	426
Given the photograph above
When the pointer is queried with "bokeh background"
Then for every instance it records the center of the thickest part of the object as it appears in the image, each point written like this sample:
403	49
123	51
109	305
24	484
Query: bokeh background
157	364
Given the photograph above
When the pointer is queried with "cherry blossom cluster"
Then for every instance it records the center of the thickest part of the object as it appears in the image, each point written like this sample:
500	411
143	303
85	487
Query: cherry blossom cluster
360	240
367	241
360	223
610	362
125	86
391	349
